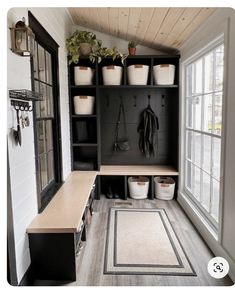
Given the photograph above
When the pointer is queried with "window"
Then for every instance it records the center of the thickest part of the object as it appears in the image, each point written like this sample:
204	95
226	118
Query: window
46	119
203	128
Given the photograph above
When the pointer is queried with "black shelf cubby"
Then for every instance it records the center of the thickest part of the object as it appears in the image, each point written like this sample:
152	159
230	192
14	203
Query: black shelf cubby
84	130
84	157
113	186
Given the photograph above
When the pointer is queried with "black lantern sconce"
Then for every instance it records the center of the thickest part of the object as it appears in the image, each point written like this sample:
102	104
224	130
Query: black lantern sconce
22	39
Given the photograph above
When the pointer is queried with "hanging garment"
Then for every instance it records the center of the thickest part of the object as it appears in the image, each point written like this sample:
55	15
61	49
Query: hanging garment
148	131
121	143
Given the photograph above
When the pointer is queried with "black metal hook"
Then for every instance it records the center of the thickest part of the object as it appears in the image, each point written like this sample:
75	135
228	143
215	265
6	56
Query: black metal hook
107	101
135	104
149	100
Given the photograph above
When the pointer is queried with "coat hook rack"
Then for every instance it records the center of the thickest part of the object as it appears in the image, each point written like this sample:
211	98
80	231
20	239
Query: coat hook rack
107	101
22	106
135	104
149	100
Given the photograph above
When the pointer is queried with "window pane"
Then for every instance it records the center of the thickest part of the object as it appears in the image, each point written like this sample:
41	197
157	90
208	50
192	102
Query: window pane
205	198
50	166
189	144
35	62
189	175
206	164
48	68
207	122
198	77
43	170
41	136
197	183
218	114
208	73
43	104
41	63
219	68
215	199
189	113
49	136
197	119
49	94
189	80
197	149
216	157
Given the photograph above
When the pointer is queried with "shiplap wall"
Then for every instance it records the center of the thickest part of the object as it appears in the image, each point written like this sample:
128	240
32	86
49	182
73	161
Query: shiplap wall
222	21
22	159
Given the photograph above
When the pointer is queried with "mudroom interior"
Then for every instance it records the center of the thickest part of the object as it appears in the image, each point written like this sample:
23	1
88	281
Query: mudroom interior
120	142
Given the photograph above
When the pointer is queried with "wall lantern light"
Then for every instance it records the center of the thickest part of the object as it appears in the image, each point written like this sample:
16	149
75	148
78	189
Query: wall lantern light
22	39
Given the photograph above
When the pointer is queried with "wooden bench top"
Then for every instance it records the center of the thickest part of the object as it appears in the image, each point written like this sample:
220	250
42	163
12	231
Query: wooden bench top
64	212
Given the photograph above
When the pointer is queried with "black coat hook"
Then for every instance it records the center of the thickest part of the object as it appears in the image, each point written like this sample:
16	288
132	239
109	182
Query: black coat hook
135	104
149	99
107	101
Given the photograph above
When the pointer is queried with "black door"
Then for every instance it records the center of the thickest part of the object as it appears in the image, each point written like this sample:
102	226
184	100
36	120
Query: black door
44	70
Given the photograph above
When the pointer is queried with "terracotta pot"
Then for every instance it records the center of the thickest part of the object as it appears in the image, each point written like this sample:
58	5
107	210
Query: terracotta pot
85	48
132	50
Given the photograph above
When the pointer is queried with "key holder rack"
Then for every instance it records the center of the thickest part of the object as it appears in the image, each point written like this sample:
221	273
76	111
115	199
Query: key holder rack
22	106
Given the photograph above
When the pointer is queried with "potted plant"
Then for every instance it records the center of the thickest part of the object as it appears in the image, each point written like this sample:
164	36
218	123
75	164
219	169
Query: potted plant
102	52
132	47
81	43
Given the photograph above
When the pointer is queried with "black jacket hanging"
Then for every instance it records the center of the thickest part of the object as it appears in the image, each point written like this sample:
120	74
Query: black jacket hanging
148	132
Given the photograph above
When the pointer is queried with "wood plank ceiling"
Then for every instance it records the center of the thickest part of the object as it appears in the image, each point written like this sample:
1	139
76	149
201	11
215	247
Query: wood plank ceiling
164	29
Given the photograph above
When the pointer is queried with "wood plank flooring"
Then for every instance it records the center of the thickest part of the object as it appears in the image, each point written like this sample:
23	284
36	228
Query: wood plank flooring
91	259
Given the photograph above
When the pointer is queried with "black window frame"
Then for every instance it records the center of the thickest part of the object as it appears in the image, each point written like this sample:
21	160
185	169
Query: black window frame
46	41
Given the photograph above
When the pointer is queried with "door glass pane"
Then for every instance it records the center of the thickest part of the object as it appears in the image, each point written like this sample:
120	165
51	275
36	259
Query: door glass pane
215	199
41	63
219	68
216	157
197	182
207	122
189	114
189	80
43	170
35	62
50	166
208	72
189	175
197	119
49	136
198	77
48	68
189	144
205	198
218	114
50	110
206	164
43	103
197	148
40	136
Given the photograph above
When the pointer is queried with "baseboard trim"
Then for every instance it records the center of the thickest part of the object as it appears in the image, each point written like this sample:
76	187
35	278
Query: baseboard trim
209	239
28	278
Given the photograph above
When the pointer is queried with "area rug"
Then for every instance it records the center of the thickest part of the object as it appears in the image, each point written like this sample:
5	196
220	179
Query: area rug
142	241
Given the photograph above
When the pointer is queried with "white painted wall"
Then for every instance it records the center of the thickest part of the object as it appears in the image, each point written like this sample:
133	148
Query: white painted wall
121	44
22	159
223	21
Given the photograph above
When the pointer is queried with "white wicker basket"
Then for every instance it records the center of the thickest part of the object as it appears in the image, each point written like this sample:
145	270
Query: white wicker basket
164	187
84	105
83	75
137	74
164	74
112	75
138	187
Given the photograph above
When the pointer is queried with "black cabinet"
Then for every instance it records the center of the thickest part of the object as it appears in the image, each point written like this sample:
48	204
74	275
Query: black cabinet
92	136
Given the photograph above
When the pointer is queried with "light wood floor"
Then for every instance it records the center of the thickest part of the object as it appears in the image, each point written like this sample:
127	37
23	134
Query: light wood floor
91	259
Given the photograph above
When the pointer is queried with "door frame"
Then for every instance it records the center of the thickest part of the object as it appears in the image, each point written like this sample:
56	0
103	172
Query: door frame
45	39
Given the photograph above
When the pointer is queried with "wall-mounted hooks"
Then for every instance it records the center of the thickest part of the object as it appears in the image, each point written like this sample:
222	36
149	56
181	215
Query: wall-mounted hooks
21	106
121	100
163	101
135	104
107	101
149	100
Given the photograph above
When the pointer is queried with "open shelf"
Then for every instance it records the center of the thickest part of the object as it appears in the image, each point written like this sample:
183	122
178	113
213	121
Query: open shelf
138	86
85	144
84	116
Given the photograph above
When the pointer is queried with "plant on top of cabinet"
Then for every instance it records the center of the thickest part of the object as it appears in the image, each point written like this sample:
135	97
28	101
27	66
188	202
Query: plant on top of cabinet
132	47
81	43
103	52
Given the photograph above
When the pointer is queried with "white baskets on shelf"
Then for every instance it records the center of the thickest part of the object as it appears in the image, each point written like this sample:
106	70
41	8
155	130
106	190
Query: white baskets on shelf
164	188
83	75
84	105
137	74
112	75
138	187
164	74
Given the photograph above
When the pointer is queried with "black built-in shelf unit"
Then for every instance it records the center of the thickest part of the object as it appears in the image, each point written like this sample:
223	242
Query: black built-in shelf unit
92	136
